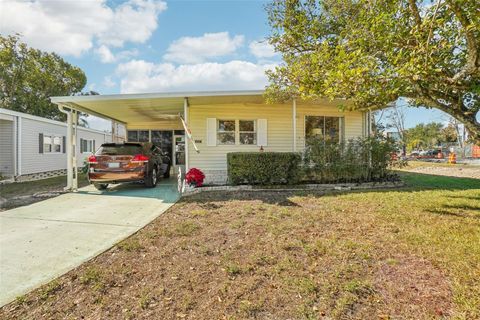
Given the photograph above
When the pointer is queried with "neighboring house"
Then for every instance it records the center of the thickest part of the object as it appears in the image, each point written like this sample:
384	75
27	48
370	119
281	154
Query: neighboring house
221	122
34	147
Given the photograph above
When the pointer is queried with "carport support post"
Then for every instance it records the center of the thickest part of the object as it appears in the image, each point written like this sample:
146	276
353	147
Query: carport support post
72	182
185	117
74	151
69	151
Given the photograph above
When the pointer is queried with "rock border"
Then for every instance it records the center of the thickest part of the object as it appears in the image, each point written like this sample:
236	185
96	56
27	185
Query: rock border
300	187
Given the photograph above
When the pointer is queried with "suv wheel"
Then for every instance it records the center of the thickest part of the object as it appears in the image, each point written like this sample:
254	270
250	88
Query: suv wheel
100	186
151	180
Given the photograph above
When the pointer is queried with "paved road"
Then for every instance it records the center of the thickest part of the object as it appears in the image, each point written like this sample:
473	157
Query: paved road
46	239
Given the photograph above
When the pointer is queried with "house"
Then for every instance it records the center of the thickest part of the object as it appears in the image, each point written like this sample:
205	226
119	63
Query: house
34	147
220	122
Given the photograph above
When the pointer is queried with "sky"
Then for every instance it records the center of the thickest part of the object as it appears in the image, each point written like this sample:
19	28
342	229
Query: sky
139	46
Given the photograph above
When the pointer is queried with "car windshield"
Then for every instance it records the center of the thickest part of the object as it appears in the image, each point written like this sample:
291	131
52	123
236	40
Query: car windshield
121	149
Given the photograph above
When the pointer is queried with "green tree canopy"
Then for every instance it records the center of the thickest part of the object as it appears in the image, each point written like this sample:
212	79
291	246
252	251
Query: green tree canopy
29	77
373	52
424	135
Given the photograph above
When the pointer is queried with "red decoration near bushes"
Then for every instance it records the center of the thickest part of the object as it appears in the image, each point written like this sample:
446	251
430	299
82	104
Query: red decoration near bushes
195	177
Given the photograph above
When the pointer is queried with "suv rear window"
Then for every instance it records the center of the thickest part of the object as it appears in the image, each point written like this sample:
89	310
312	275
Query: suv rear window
119	149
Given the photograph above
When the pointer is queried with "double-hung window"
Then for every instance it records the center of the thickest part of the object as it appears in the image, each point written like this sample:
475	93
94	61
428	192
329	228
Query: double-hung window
328	129
231	132
226	130
52	144
247	132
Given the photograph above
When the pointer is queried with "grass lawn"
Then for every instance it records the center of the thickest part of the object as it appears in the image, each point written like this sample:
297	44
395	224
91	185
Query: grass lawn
412	253
18	189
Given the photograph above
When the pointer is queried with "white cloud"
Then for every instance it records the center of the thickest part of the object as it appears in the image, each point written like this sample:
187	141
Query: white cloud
108	82
142	76
107	56
72	27
201	49
261	49
133	21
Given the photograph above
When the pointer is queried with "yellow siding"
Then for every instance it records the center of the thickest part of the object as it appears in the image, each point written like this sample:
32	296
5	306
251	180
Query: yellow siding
279	131
279	128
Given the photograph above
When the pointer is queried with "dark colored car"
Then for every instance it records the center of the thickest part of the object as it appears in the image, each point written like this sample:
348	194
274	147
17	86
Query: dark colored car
127	162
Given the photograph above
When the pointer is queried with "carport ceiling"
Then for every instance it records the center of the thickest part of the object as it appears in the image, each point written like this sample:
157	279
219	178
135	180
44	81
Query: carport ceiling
133	110
150	107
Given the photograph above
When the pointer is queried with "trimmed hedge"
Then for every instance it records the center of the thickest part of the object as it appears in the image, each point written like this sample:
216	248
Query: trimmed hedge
263	168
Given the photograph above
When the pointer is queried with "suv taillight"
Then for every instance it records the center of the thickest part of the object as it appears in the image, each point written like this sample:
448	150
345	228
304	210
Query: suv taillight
140	158
92	159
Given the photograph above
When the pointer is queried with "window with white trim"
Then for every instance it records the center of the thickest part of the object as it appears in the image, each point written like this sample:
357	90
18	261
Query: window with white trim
87	146
52	144
247	131
226	132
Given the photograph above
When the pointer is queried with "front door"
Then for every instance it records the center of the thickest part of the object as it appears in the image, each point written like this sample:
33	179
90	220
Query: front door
179	149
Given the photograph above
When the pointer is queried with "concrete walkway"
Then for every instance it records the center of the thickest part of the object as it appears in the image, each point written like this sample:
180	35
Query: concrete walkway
44	240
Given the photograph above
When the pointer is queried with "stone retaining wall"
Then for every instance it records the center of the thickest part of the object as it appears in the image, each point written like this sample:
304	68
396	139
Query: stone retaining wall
300	187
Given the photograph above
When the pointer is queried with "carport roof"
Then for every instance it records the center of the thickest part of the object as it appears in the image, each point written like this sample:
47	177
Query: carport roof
146	107
151	107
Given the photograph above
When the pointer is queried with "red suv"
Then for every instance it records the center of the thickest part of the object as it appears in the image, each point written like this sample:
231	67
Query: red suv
127	162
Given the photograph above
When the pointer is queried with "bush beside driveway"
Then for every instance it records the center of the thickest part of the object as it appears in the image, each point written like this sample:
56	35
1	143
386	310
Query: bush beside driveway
411	253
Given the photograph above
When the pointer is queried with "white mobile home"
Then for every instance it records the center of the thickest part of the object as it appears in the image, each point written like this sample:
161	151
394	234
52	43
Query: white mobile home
34	147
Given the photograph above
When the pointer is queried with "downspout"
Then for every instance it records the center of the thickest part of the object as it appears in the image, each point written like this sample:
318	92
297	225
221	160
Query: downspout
15	146
185	117
19	137
370	122
294	124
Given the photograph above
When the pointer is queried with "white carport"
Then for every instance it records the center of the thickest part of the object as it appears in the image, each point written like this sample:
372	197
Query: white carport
141	111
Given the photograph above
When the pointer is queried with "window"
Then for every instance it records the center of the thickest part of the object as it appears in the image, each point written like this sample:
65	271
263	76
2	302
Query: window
132	136
328	129
57	144
47	144
52	144
87	146
226	132
247	132
138	136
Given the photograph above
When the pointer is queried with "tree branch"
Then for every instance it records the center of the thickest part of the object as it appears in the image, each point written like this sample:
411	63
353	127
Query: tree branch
416	13
472	64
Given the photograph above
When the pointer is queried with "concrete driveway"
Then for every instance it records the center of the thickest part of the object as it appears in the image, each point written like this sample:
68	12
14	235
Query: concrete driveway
44	240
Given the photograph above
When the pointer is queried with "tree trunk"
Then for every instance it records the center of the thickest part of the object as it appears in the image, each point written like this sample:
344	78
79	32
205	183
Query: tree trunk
467	118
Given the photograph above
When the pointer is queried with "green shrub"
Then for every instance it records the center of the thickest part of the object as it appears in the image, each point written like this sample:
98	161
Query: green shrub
264	168
357	160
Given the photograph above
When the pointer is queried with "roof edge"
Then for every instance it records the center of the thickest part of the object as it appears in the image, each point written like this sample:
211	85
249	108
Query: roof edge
46	120
154	95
